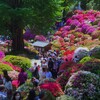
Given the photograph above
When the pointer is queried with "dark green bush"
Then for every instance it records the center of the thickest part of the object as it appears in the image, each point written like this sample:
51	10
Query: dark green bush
4	67
95	52
18	61
93	66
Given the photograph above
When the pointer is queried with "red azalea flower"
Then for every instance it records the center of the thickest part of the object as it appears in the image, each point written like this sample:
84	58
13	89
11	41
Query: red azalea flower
53	87
12	66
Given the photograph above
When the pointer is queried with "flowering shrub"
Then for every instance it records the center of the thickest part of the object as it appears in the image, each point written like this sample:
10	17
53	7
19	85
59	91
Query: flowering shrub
66	71
2	55
40	38
85	59
25	88
83	85
93	65
47	81
65	97
80	27
48	95
22	62
80	53
53	87
95	52
16	68
13	74
4	67
29	35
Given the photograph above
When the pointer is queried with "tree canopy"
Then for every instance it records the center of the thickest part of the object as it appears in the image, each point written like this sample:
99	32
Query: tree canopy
39	14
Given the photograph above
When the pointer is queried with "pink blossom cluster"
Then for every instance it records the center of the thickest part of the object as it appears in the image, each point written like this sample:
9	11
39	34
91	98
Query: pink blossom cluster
40	38
82	29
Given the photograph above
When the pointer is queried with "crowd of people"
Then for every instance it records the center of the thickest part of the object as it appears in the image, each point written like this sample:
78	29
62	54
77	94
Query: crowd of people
49	68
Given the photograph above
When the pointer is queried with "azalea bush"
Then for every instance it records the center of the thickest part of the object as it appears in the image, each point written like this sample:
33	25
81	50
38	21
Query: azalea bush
28	35
29	73
82	26
2	55
25	88
65	97
92	65
83	85
48	95
65	71
80	53
13	75
4	67
85	59
95	52
40	38
52	86
3	49
16	68
22	62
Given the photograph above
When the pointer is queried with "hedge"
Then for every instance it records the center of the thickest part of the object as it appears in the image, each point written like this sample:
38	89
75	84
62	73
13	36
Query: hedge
4	67
18	61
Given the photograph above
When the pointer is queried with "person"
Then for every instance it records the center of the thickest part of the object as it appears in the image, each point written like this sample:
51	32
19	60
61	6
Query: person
50	64
43	74
1	80
35	72
48	74
42	95
8	84
3	94
34	80
32	92
17	96
22	77
35	65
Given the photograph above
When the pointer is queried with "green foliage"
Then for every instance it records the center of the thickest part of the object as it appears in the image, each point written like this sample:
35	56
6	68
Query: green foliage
37	14
25	88
4	67
85	59
18	61
65	97
95	52
46	13
48	95
29	74
68	6
92	65
93	4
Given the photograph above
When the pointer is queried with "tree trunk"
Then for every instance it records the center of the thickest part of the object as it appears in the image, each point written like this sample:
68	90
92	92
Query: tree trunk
17	37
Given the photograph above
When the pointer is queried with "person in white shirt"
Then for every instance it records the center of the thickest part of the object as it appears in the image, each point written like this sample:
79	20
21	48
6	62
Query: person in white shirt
43	74
35	65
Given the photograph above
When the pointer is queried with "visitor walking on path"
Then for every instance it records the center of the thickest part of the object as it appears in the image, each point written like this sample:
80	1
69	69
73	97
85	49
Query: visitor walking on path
22	77
8	84
17	96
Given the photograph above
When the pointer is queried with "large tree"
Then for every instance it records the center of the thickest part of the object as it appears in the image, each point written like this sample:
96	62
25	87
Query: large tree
16	14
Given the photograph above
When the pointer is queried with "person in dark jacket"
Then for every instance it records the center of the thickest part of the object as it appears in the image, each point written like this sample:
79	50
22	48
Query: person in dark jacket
32	93
50	64
22	77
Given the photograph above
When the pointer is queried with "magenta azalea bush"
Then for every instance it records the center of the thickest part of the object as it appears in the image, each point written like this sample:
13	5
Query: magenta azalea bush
81	27
40	38
2	55
28	35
